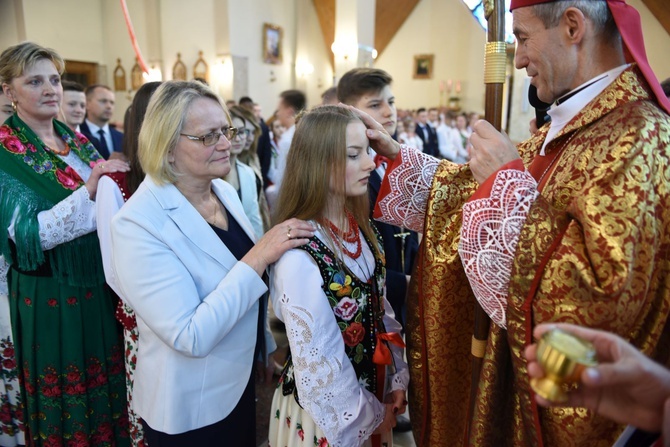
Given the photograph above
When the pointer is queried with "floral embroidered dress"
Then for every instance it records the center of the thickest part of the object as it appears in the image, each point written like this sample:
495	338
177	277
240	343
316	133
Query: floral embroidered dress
11	413
67	344
335	317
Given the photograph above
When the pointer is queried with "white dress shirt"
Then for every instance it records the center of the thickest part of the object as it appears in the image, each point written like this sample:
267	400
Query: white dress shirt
276	171
105	129
562	114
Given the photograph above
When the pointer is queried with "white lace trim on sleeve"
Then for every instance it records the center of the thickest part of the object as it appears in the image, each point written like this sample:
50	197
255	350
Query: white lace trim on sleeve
489	237
400	378
347	414
410	183
70	218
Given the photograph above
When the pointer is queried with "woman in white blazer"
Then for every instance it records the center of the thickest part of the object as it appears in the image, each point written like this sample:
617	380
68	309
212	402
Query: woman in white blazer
184	256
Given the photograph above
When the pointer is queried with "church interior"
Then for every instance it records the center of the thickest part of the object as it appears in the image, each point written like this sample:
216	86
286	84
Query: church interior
316	42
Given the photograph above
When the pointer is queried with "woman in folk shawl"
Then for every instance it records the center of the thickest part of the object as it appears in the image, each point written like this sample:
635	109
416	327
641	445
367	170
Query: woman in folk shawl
68	351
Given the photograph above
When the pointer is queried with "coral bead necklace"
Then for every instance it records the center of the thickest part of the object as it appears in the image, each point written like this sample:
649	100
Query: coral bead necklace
352	236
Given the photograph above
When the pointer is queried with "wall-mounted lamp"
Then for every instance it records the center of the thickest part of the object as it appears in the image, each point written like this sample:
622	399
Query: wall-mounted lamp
303	68
222	74
155	74
346	49
222	69
368	49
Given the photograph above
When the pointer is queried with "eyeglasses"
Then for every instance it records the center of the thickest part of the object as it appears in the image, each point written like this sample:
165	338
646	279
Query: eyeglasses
242	134
212	138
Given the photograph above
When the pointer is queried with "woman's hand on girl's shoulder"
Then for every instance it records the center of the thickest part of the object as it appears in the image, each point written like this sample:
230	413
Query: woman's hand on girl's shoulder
99	169
278	240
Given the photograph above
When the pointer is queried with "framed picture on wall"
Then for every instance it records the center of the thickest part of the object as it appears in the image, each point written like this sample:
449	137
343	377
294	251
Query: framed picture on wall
423	66
272	44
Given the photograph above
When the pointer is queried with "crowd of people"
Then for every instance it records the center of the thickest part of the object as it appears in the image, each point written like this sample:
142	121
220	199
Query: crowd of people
142	266
442	133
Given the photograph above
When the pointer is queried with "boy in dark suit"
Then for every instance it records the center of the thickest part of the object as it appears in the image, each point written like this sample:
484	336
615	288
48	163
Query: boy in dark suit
427	133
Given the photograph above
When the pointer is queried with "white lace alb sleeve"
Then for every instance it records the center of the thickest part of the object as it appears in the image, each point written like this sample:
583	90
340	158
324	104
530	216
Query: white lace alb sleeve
410	182
70	218
326	381
489	236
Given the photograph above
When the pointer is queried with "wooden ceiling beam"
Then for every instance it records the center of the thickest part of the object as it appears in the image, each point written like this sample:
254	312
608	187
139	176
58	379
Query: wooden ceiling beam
391	14
325	10
661	10
389	17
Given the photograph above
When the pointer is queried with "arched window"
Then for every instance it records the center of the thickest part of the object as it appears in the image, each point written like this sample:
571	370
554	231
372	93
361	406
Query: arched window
477	8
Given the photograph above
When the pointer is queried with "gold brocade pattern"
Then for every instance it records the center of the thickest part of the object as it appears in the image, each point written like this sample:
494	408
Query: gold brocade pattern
593	251
437	332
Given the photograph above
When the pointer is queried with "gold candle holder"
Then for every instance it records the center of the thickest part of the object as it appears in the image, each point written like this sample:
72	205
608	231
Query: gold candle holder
563	357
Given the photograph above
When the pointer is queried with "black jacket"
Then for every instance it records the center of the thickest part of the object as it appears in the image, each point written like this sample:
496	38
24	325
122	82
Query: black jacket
396	281
117	139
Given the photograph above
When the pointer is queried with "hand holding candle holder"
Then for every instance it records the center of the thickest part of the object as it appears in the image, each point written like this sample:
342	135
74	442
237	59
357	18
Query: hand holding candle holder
563	356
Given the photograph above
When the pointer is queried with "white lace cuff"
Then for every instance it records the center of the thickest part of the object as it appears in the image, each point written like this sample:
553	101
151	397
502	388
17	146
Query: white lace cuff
71	218
489	237
410	183
400	379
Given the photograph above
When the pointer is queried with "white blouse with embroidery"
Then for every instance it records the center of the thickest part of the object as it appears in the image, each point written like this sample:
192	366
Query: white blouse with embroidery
327	385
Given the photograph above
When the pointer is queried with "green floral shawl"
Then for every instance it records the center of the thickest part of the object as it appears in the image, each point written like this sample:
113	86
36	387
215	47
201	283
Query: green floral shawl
33	179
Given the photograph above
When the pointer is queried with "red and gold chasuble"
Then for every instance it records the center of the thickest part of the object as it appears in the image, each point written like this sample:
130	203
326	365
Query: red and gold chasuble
592	251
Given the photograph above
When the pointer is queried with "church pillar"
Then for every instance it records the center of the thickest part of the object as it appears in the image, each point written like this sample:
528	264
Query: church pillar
354	34
229	73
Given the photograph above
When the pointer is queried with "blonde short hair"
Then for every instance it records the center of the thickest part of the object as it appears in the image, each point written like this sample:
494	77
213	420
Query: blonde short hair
16	59
164	122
